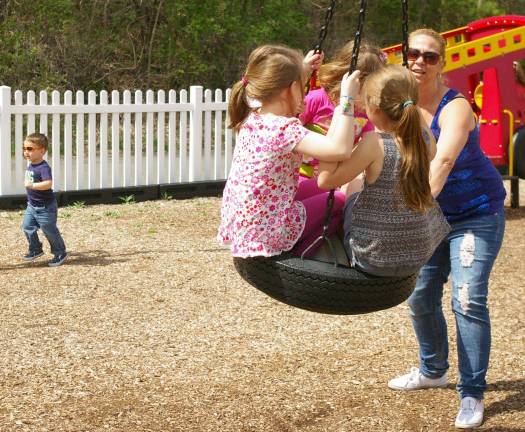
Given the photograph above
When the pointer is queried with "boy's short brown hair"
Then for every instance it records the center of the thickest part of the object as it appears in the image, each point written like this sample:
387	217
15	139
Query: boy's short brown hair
38	139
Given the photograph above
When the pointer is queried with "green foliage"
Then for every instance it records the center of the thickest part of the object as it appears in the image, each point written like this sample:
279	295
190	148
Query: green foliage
127	199
166	196
117	44
78	205
112	213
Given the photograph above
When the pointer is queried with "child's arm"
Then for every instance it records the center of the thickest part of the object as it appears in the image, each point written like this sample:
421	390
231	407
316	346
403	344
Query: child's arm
312	61
332	175
338	143
43	185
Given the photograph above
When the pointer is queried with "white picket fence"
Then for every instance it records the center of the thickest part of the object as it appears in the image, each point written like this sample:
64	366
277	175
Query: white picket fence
121	142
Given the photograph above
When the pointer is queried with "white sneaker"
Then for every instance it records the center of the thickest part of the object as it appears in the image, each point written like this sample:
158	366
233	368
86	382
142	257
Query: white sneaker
415	380
470	413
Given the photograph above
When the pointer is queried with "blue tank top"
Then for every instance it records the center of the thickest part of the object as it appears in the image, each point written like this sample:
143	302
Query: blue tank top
474	187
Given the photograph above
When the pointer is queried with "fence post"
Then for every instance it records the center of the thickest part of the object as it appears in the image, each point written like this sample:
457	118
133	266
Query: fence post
228	144
195	133
5	140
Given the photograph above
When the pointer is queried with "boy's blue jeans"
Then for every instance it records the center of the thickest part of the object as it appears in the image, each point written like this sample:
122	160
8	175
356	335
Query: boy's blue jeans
467	254
44	218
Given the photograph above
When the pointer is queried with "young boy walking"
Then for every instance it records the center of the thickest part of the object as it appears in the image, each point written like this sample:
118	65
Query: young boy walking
42	206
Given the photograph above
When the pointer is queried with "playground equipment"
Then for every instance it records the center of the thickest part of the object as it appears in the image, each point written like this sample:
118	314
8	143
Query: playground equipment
321	286
482	61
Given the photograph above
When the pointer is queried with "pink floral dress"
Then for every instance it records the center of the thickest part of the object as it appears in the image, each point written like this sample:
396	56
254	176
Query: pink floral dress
259	216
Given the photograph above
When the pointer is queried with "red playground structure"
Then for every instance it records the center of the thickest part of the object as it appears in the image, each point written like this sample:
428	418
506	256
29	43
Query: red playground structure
485	61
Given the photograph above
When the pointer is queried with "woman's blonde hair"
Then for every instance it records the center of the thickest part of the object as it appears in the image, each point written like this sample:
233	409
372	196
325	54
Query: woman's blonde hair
393	90
369	60
270	69
442	44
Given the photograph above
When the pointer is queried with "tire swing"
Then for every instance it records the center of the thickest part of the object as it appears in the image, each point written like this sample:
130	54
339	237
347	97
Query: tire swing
324	287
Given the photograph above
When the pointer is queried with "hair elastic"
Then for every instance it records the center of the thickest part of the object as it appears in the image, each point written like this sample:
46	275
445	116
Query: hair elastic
244	81
408	102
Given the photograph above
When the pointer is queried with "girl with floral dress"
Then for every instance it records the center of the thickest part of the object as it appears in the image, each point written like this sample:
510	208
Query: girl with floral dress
265	211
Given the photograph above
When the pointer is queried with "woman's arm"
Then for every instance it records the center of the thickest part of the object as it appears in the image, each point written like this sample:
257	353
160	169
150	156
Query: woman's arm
456	122
332	175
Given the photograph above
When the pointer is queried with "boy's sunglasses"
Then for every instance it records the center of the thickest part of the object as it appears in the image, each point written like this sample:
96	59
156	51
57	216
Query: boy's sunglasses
429	57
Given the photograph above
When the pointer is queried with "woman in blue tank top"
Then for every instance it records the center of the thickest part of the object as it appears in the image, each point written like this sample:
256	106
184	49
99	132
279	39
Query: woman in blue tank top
470	192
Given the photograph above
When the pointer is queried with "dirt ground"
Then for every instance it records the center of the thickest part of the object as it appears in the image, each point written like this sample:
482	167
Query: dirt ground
149	328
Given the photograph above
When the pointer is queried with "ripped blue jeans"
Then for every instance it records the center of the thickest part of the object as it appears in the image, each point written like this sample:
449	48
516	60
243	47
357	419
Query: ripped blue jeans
467	255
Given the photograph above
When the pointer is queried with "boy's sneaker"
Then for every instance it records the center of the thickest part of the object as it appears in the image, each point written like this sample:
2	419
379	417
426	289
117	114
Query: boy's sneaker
415	380
58	260
470	413
30	256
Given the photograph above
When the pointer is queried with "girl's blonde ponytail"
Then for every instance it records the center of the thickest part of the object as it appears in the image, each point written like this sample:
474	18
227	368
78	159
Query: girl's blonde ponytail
238	108
415	160
393	90
270	70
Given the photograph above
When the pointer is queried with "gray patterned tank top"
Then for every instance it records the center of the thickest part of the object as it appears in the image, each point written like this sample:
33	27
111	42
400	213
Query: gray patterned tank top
386	237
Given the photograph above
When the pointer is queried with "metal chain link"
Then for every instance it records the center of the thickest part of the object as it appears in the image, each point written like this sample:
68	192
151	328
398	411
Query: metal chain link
358	34
324	29
353	65
322	36
404	46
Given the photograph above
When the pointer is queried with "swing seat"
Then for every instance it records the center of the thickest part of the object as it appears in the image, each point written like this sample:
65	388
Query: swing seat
322	287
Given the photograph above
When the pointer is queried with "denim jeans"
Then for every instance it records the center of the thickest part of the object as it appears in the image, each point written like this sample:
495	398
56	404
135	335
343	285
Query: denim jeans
44	218
467	255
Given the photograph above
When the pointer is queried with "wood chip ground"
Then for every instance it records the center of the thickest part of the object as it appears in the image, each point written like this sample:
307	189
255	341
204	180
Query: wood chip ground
149	328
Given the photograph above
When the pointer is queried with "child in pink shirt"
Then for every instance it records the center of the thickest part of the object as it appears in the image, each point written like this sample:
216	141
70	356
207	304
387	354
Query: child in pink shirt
319	110
319	103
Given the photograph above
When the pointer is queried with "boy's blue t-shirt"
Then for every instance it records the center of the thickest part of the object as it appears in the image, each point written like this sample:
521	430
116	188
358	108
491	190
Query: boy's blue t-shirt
38	173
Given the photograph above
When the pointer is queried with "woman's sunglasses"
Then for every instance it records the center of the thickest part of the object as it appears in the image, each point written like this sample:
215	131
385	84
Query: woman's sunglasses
429	57
28	148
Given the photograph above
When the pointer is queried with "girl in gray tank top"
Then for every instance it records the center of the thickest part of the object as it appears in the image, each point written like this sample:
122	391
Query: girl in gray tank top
393	225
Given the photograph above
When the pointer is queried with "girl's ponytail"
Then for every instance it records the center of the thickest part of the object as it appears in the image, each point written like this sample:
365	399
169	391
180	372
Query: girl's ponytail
415	159
238	108
270	70
393	89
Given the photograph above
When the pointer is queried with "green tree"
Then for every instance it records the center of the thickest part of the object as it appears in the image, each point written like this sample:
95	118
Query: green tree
117	44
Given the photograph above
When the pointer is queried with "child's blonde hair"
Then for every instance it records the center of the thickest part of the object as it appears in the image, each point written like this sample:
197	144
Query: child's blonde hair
270	69
38	139
393	90
369	60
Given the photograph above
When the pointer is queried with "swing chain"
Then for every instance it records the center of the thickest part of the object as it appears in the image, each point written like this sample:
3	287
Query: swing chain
404	46
357	38
330	200
353	66
318	48
324	29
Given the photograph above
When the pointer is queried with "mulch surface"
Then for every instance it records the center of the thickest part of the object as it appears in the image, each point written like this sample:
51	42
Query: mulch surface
148	327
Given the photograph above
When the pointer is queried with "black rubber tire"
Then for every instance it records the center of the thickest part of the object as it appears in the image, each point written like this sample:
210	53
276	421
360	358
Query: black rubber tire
519	153
320	287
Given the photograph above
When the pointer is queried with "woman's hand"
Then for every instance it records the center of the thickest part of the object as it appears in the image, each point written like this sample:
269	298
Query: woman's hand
313	61
350	84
